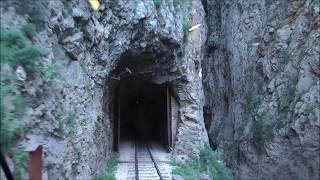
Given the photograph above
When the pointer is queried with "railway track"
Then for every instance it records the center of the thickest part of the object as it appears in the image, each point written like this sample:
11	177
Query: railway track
146	166
143	161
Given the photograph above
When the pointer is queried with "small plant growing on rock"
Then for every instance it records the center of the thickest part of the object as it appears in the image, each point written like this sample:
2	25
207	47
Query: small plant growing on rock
186	26
34	9
17	50
179	2
29	30
280	124
51	72
254	104
67	124
209	163
261	133
13	106
157	3
285	55
109	173
20	162
27	57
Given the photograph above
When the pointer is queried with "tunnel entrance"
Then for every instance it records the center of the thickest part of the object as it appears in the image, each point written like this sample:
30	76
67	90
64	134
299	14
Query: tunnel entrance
143	112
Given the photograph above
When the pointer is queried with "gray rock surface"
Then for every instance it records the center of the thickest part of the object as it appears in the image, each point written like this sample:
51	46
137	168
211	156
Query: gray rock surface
70	114
247	80
262	65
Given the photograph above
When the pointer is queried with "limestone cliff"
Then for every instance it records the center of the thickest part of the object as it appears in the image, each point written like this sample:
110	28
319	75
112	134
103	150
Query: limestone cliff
69	110
246	80
261	83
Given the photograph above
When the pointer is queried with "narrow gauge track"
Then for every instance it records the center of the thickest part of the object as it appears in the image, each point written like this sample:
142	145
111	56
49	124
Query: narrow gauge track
146	166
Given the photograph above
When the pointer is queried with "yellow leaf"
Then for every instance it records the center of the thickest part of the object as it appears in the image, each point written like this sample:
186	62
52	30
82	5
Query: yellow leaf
194	27
95	4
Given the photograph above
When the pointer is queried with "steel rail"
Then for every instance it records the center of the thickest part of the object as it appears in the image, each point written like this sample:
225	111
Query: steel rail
154	162
136	167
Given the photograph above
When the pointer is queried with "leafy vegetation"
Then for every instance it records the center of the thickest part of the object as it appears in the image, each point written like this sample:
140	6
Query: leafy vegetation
20	163
67	124
98	124
51	72
254	104
27	57
261	132
11	121
17	50
157	3
209	162
29	30
301	49
186	26
280	124
177	2
109	173
285	55
34	9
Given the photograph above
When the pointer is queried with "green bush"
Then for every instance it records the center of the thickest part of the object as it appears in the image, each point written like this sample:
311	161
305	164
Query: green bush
27	57
285	55
178	2
20	161
254	104
190	169
66	124
186	26
280	124
10	129
7	54
209	162
12	38
262	128
110	170
51	72
19	102
17	50
157	3
261	132
29	30
34	9
12	111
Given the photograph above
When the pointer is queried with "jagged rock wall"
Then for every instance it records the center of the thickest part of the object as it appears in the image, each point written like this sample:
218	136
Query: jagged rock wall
260	75
70	116
261	82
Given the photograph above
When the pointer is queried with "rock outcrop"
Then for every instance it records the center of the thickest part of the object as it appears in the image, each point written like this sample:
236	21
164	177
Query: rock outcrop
261	82
69	114
246	79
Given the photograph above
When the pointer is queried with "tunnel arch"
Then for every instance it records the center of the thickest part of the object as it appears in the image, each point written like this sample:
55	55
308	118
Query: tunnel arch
138	81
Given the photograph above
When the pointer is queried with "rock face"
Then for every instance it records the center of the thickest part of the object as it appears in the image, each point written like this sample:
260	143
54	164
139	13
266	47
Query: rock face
261	83
248	75
69	112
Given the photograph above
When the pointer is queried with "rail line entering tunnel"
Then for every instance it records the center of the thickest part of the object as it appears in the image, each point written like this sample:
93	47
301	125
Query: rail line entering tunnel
144	111
143	161
145	116
146	166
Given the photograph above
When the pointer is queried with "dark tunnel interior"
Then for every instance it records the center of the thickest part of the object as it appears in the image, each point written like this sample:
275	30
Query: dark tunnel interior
142	107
